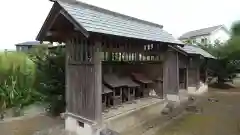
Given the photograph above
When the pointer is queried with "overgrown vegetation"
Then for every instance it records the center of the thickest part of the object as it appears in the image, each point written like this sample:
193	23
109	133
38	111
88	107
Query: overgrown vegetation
50	77
17	76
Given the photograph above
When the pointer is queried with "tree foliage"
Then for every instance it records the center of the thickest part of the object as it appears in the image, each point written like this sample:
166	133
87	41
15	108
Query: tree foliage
50	80
235	30
227	54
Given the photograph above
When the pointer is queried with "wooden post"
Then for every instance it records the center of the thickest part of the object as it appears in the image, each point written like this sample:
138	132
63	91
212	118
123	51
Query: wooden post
165	76
98	81
187	76
129	93
67	90
206	72
177	68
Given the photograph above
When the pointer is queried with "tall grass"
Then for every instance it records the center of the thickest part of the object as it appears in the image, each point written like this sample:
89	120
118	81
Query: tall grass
17	77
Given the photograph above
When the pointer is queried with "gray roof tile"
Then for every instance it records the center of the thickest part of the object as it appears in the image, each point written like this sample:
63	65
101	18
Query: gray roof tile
99	20
29	43
200	32
191	49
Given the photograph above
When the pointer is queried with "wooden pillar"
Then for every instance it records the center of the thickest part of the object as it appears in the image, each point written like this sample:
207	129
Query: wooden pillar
171	76
129	93
177	68
165	76
198	77
98	80
206	71
67	89
187	75
198	71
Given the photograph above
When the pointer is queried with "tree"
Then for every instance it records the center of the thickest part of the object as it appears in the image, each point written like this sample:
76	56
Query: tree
228	55
188	41
235	30
50	80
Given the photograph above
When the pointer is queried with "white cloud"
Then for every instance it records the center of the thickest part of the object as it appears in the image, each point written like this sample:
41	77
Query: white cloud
21	20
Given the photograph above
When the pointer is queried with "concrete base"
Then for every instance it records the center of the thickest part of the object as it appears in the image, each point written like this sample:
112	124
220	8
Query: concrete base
72	125
152	93
134	117
183	95
202	89
192	89
173	97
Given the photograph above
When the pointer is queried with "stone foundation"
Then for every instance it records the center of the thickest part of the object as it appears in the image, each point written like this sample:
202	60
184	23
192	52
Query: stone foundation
192	89
134	117
202	89
173	97
80	128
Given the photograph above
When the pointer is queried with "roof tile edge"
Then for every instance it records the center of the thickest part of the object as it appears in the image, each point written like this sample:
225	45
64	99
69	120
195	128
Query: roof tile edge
77	3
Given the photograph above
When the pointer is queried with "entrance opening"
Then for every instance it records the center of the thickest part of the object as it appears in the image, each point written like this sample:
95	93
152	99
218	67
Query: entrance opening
182	78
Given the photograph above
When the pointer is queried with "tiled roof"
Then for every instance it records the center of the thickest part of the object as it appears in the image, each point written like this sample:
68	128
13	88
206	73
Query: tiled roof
141	78
191	49
106	90
29	43
200	32
95	19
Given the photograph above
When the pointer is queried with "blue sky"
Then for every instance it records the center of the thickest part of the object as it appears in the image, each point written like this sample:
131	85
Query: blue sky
21	20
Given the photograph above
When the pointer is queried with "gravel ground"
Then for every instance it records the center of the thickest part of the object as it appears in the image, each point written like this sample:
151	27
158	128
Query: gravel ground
220	116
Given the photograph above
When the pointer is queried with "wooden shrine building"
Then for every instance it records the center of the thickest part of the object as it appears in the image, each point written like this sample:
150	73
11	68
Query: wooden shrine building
110	59
197	66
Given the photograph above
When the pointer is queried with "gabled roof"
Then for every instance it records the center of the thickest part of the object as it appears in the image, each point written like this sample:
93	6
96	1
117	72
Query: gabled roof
29	43
201	32
193	49
98	20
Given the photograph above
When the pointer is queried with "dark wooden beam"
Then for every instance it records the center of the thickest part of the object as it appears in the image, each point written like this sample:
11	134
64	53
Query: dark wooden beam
76	25
178	50
52	16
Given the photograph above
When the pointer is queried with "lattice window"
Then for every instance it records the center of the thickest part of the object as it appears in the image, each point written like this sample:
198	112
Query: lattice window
80	51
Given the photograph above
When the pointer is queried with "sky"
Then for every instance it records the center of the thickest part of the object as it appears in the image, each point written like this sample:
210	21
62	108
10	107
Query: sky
21	20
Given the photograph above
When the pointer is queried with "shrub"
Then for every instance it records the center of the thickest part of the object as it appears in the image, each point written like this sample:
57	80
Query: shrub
51	77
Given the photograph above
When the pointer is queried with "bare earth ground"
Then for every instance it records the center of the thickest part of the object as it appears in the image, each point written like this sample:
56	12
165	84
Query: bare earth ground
217	118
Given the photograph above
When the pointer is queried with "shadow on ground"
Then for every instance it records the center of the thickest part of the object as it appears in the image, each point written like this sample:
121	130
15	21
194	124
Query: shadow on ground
224	86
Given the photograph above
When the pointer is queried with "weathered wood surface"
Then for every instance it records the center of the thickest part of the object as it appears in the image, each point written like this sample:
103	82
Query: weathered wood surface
84	71
171	76
120	49
183	61
84	79
182	78
192	77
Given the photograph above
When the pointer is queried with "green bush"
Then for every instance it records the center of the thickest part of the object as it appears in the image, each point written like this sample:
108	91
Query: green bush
51	77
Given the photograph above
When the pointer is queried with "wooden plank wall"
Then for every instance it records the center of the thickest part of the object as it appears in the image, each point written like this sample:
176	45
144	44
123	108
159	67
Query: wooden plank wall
83	90
183	66
170	73
183	61
194	72
192	77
